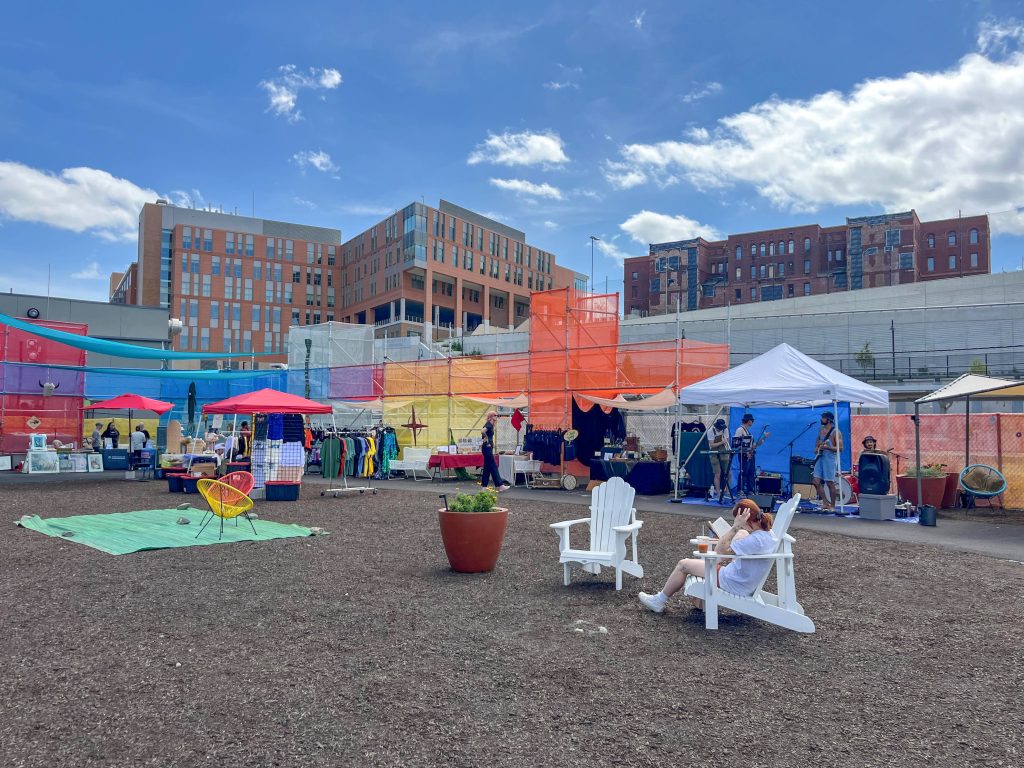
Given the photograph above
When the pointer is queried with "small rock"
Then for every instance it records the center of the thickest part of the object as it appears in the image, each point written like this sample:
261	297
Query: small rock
184	521
318	531
68	534
251	516
177	663
186	505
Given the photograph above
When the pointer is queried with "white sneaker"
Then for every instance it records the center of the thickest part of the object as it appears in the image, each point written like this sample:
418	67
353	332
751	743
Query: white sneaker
652	602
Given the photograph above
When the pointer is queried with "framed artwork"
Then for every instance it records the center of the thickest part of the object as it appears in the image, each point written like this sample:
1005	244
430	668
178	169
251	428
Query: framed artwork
6	462
94	462
37	442
42	462
79	462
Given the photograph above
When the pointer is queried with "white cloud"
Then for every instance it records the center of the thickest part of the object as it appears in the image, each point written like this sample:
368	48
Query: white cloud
76	199
651	227
187	199
520	149
319	160
91	272
523	187
999	37
555	85
304	202
638	20
708	89
283	90
612	250
550	225
938	142
362	209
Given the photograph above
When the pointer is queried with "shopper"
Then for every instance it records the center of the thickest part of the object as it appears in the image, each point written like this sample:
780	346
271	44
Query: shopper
487	448
97	437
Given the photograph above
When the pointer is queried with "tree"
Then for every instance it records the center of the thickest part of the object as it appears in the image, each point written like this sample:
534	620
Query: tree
865	357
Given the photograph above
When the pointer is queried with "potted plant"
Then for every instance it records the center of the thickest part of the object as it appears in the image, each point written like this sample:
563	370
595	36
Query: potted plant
473	529
933	485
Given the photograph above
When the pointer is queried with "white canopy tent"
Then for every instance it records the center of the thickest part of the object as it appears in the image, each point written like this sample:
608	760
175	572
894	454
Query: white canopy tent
782	377
968	387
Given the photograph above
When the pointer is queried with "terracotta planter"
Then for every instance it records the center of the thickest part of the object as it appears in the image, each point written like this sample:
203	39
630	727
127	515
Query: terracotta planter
932	489
949	493
472	540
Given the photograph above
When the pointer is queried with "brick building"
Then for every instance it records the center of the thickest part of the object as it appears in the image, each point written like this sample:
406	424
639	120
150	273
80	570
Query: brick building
235	282
447	268
866	252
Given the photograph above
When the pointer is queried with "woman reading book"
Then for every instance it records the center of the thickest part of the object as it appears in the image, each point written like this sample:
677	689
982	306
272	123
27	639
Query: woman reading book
750	534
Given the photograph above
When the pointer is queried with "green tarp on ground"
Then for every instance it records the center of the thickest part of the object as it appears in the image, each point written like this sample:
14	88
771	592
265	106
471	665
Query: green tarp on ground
120	533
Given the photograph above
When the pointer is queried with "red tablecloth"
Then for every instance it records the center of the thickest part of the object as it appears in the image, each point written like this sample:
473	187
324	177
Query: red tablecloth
455	460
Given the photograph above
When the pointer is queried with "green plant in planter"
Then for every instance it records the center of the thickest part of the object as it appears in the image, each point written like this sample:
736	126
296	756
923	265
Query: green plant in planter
483	501
929	470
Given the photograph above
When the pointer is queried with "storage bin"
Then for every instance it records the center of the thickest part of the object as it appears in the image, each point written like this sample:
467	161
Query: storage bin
188	485
874	507
278	490
174	481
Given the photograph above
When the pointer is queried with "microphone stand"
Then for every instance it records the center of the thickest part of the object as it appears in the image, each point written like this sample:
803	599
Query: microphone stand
789	445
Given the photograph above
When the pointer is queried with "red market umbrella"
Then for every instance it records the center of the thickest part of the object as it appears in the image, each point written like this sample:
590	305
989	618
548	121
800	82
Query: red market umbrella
131	402
266	401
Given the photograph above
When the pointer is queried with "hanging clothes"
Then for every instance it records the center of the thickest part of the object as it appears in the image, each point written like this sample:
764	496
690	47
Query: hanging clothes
330	457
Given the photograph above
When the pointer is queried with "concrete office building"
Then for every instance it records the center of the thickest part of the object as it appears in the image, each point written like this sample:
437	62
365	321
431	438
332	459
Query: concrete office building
235	282
445	268
144	326
865	252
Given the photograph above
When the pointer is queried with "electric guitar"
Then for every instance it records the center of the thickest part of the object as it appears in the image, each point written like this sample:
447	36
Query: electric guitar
819	448
755	445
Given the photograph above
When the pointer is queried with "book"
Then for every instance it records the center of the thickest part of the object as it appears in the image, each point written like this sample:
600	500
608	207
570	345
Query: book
720	527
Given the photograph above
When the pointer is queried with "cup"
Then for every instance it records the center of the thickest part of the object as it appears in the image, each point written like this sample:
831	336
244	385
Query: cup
702	547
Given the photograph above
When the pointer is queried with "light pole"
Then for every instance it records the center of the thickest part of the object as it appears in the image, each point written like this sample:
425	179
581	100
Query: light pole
593	239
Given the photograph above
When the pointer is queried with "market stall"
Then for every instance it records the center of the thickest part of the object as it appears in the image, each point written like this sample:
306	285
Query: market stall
130	458
278	433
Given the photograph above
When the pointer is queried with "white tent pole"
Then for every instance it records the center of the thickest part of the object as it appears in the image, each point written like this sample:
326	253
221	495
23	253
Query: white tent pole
679	410
839	458
917	449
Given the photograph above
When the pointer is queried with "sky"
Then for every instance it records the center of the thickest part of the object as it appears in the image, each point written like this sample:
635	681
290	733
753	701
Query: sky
635	123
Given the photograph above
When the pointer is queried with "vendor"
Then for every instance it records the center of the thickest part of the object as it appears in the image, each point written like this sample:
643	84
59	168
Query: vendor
111	434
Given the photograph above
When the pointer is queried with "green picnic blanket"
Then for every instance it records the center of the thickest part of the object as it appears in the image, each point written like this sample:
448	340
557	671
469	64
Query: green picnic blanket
120	533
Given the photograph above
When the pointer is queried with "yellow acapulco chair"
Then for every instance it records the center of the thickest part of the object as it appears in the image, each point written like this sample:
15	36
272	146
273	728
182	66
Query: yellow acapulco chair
225	502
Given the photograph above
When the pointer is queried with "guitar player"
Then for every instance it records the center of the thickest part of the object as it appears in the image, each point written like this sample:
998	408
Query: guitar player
827	449
748	458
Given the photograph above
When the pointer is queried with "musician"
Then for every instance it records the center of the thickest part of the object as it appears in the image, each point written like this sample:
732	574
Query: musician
718	455
827	449
870	445
748	457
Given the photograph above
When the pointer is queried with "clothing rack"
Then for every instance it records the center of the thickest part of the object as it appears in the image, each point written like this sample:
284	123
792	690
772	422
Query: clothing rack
374	433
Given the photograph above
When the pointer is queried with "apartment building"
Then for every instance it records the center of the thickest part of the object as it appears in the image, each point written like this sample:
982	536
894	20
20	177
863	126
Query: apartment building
443	270
237	283
865	252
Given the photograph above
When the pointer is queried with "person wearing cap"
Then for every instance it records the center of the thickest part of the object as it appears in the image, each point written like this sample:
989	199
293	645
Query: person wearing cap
748	456
827	448
718	455
487	449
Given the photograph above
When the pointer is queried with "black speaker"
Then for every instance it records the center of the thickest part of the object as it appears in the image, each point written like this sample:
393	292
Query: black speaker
873	473
801	471
765	501
769	484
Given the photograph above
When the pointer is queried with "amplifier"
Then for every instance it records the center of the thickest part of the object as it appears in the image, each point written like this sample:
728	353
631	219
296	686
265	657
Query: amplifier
770	484
765	501
801	470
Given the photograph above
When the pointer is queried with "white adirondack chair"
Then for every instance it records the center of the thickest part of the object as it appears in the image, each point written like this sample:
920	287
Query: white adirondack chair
781	609
612	520
413	460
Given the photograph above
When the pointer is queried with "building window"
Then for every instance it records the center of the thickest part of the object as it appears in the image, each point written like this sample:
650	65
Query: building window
974	260
952	261
656	285
807	266
764	272
739	253
753	294
417	282
781	270
973	237
931	240
636	275
753	251
739	273
739	295
186	237
215	268
207	239
807	245
771	249
951	238
753	271
907	260
782	247
792	246
229	243
931	263
789	289
807	289
763	252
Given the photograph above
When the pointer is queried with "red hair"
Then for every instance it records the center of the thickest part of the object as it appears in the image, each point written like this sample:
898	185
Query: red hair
763	520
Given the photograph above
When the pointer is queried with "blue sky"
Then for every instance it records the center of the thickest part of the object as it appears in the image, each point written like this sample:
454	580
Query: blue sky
634	122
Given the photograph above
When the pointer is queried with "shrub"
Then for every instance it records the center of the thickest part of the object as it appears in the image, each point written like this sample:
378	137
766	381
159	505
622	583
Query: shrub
484	501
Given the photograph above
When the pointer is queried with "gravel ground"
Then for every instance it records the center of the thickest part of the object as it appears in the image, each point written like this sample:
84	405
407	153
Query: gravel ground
363	648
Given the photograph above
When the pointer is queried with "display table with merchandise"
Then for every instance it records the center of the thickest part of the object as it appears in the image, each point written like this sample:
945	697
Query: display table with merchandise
439	463
648	478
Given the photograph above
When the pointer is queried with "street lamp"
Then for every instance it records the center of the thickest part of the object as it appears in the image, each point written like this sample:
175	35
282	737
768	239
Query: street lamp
593	239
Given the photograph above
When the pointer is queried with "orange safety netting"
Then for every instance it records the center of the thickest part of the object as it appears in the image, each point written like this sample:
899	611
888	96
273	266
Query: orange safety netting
997	439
